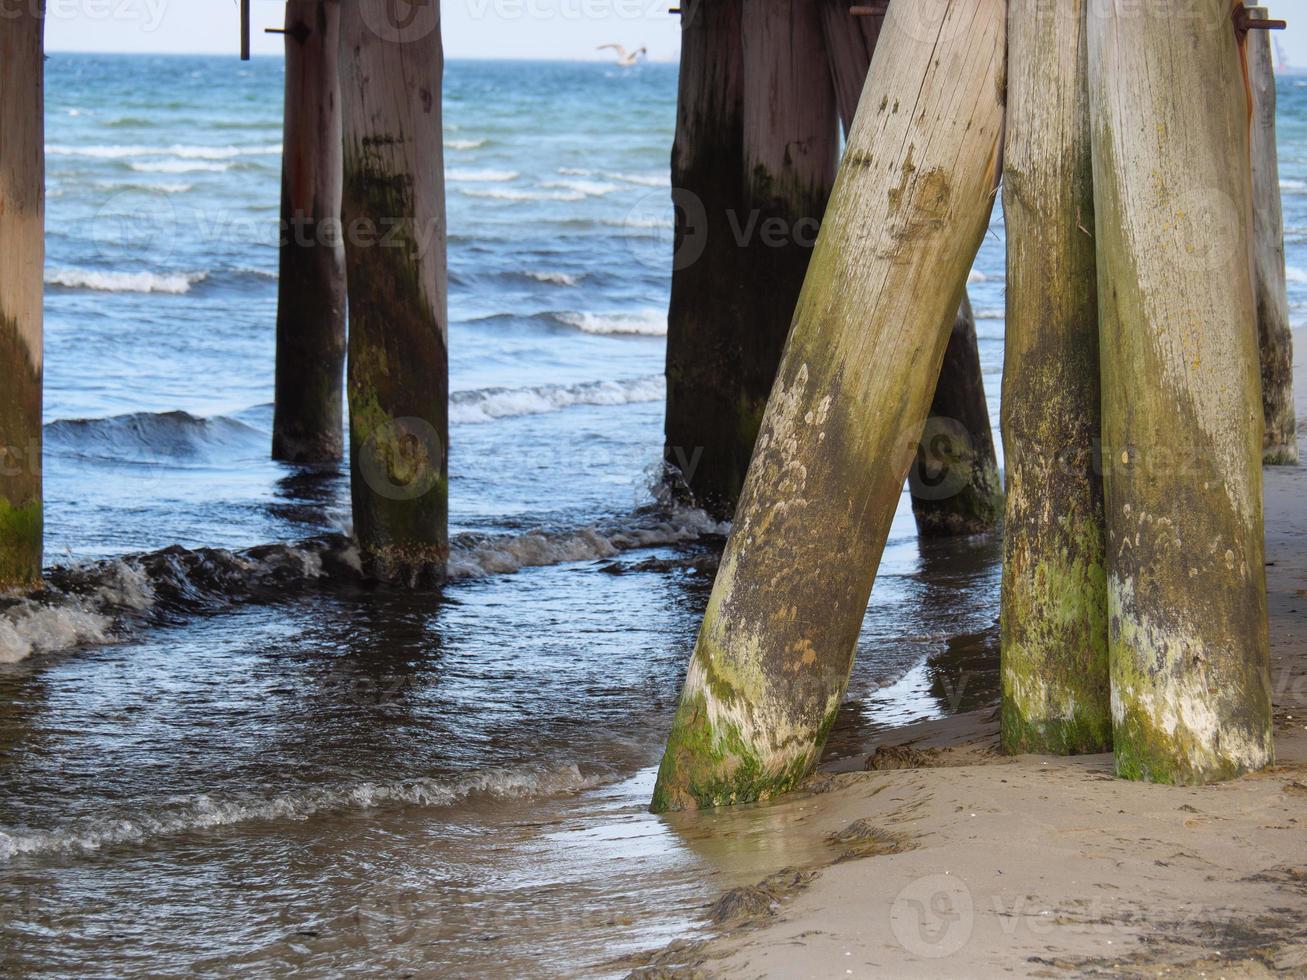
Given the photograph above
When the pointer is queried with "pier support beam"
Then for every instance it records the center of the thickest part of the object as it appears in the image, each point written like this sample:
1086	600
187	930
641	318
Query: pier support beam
954	484
907	215
1182	413
707	310
1280	441
307	422
1056	689
394	216
22	259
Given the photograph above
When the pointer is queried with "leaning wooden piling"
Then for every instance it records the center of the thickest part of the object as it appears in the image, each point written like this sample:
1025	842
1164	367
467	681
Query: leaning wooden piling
395	240
1280	440
1054	663
22	258
954	484
1182	415
907	215
308	424
708	279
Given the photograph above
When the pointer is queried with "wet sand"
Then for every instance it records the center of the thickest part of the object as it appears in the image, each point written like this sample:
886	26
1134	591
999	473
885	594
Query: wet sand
967	863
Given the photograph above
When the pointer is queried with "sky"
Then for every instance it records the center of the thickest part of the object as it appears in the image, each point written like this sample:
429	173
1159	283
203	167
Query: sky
567	29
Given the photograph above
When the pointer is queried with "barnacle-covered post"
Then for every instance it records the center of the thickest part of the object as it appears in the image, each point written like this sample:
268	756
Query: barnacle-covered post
708	279
954	482
22	257
1056	696
307	424
907	215
394	218
1280	442
1182	412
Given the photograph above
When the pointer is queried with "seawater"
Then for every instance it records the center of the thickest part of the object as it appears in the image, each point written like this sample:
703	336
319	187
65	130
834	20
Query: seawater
218	750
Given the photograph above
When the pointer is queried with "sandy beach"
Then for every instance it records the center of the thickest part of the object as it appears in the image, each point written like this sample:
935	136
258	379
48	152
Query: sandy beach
951	860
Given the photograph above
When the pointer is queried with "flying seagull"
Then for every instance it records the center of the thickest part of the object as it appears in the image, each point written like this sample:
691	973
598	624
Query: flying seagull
625	59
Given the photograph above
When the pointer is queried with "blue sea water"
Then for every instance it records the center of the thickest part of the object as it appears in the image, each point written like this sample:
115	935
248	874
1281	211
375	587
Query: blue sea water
228	760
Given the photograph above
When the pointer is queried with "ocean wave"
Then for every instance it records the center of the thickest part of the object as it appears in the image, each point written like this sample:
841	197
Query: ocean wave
513	194
151	436
1287	184
99	602
474	176
990	313
124	282
642	180
464	144
488	404
975	276
180	167
648	323
479	556
1295	275
556	278
183	152
587	188
148	187
205	812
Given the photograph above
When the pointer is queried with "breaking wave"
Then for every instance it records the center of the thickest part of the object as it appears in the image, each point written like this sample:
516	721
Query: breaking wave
150	436
647	323
488	404
204	812
124	282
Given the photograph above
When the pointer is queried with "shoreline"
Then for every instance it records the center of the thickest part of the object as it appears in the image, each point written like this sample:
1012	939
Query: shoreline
974	864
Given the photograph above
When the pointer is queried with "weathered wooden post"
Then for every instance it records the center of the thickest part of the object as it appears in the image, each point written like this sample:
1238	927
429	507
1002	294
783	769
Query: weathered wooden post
394	217
1280	442
1056	691
912	202
1182	415
954	482
788	151
22	258
307	422
708	277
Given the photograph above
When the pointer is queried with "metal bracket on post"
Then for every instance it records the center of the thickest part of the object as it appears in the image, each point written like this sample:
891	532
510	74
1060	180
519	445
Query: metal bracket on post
1256	19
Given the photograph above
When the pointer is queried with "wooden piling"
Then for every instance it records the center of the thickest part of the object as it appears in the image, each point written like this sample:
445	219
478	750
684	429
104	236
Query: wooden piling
22	259
308	419
907	215
707	311
954	485
954	482
1056	690
1280	441
395	240
1182	415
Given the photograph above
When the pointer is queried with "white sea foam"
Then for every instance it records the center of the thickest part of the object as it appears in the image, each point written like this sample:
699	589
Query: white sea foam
556	278
124	282
158	187
488	404
511	194
648	323
642	180
204	812
1293	274
183	152
477	556
180	167
975	276
464	144
1287	184
31	626
588	188
475	176
990	313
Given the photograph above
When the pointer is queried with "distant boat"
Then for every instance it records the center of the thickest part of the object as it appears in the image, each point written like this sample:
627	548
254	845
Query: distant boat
624	58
